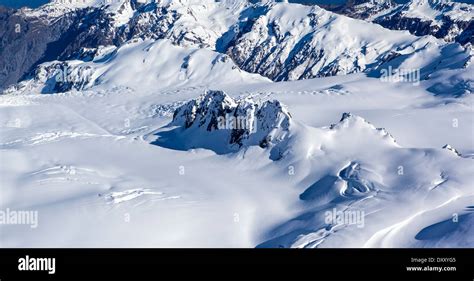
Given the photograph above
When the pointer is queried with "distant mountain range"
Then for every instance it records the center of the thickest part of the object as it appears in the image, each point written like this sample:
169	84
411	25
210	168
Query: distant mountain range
275	40
37	3
442	19
22	3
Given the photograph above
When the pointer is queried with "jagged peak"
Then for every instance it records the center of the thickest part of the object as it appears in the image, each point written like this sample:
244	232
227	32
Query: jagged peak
348	120
428	2
433	9
373	2
351	121
218	122
203	109
451	149
215	102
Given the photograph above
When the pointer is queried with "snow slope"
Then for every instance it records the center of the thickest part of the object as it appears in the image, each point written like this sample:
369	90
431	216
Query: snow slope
434	10
141	65
88	162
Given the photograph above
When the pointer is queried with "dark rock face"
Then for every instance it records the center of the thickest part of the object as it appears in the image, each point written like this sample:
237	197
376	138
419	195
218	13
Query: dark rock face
419	27
29	41
23	43
260	58
231	124
467	36
264	45
392	16
363	9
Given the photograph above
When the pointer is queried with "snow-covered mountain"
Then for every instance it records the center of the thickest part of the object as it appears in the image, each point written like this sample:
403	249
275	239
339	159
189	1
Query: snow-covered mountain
142	65
291	42
229	123
217	122
350	166
360	180
364	172
364	9
67	30
280	41
444	19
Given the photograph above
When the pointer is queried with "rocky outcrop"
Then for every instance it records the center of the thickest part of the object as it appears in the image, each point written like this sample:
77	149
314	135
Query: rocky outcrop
218	122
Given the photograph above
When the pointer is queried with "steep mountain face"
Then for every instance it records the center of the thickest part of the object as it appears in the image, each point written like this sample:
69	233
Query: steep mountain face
364	9
216	121
27	41
443	19
447	20
55	31
66	31
292	42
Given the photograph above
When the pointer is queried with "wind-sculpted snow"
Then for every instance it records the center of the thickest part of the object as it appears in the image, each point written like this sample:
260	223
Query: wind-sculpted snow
90	155
367	177
356	175
216	121
445	70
